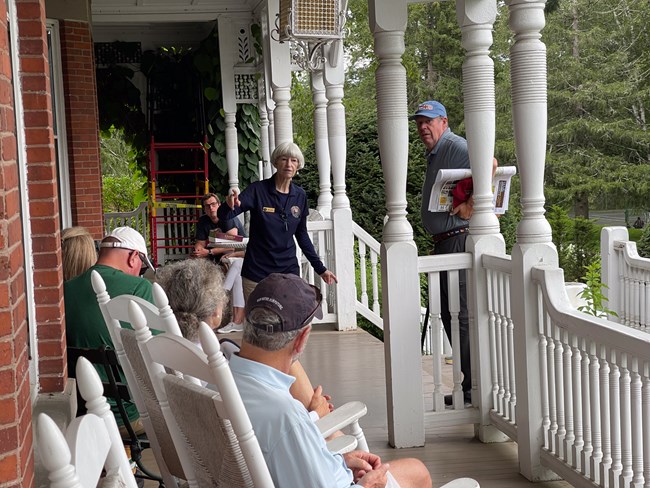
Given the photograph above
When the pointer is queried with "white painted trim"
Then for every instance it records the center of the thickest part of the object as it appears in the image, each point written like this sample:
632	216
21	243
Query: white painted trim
65	204
24	200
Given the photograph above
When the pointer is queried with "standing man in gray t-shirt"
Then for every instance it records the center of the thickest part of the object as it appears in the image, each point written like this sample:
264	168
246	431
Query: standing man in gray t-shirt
446	150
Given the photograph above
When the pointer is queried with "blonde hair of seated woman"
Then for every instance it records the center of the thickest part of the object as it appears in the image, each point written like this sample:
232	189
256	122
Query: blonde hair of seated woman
78	252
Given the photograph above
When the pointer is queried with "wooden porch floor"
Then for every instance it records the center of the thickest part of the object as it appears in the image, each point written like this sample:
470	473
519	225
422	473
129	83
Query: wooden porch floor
350	366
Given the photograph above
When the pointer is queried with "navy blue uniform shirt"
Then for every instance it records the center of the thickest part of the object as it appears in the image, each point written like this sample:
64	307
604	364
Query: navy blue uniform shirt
275	219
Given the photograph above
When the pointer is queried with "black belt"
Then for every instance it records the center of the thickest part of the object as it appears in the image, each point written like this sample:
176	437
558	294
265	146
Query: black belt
451	233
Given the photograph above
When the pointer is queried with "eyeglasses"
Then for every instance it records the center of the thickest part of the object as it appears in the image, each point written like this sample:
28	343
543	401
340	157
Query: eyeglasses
143	263
210	205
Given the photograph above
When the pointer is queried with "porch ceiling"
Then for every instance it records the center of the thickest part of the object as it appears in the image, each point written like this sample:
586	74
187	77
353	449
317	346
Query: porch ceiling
142	11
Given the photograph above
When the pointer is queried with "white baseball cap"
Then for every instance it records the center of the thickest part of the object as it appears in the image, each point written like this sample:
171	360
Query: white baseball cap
129	238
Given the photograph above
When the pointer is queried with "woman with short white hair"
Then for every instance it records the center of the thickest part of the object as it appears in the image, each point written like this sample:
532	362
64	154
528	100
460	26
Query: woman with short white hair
278	210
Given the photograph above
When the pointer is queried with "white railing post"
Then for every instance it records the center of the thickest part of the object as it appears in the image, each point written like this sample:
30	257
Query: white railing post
279	77
227	50
609	267
264	130
343	236
476	20
534	245
399	255
321	144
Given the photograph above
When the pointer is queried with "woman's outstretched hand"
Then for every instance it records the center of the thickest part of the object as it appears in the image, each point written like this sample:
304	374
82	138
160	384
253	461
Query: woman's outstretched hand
329	277
232	200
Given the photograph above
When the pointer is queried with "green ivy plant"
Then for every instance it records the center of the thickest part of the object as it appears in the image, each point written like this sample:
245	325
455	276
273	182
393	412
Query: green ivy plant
206	61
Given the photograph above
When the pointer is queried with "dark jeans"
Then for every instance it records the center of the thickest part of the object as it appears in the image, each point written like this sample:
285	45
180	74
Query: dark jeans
448	246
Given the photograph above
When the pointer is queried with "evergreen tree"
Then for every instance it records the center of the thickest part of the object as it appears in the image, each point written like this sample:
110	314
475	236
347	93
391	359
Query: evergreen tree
598	142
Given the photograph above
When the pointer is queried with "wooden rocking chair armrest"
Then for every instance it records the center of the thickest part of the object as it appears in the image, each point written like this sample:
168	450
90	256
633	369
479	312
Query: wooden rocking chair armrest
341	417
342	444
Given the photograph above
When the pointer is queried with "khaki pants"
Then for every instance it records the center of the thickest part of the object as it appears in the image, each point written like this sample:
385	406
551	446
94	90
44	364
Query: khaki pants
249	286
137	427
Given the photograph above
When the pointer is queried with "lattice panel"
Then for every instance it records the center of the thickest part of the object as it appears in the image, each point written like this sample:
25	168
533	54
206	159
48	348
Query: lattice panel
107	53
309	19
246	87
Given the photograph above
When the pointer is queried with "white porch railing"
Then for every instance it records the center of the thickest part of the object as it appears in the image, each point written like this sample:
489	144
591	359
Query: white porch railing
627	276
368	263
436	413
137	219
595	396
367	251
320	232
501	350
594	374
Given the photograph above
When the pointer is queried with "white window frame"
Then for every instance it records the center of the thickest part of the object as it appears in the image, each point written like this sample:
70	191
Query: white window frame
58	106
21	162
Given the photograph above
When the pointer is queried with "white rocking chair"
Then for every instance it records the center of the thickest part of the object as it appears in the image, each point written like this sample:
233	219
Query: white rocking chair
115	311
92	443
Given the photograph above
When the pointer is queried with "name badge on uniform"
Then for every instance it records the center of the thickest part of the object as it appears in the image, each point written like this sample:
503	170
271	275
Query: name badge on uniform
268	209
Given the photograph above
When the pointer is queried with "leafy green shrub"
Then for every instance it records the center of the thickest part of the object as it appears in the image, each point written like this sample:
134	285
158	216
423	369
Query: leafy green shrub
122	193
643	245
577	242
123	185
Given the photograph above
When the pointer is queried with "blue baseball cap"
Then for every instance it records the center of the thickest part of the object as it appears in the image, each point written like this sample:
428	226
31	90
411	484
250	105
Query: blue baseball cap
431	109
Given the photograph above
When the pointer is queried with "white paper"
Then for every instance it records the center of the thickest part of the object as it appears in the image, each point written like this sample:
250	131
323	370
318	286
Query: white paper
441	198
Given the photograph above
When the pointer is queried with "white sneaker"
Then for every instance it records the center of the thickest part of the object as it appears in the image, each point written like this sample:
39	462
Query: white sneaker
231	327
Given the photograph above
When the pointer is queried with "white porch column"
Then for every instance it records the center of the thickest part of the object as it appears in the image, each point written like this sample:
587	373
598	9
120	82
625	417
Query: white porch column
534	245
321	144
232	150
264	141
280	81
399	255
227	50
264	129
476	20
268	99
271	140
343	238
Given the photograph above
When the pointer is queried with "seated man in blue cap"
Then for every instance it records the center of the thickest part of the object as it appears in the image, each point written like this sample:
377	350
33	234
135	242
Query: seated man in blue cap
279	313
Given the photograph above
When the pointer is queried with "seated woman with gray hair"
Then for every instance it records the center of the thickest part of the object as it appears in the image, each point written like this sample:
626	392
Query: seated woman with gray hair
195	291
196	294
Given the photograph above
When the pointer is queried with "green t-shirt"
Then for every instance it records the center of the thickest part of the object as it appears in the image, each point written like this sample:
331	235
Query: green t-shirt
85	326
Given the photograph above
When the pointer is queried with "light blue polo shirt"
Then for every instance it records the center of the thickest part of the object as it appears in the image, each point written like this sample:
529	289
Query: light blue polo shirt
294	449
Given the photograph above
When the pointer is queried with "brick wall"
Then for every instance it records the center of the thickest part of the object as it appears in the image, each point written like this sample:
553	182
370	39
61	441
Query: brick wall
43	194
77	57
16	455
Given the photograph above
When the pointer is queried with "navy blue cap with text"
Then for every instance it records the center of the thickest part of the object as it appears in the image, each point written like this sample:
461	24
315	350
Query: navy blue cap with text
294	300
